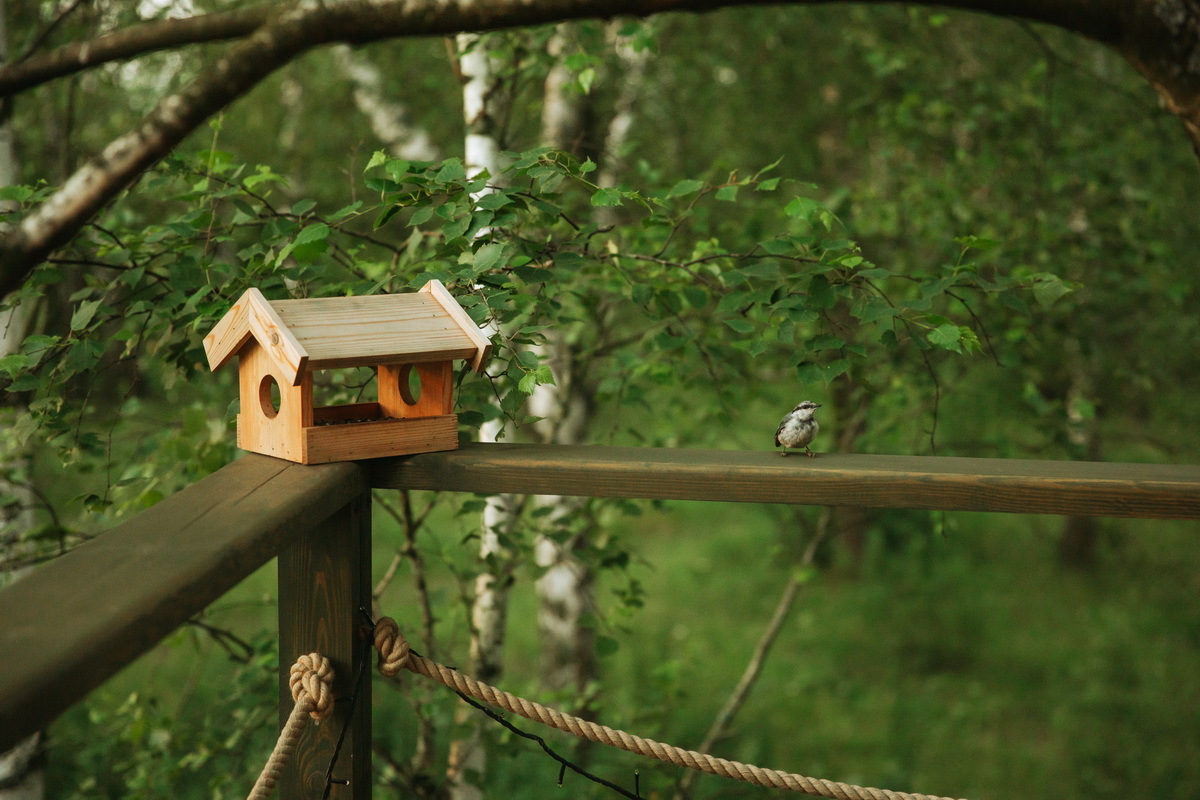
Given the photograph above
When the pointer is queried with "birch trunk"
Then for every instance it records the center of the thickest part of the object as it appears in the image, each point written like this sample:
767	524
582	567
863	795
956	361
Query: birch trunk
616	139
565	598
22	774
389	120
489	612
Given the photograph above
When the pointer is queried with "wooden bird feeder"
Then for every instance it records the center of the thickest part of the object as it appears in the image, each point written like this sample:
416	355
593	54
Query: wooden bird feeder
280	343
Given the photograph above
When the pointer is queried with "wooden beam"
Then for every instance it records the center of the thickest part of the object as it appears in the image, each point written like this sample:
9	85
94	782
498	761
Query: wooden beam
324	581
1076	488
79	619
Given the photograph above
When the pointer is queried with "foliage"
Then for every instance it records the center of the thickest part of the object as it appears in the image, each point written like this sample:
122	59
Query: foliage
990	253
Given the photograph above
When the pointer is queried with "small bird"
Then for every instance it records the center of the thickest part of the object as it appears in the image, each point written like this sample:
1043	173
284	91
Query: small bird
798	428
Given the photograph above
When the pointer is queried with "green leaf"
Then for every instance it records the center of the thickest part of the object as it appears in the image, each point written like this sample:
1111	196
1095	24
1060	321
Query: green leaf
820	292
528	383
312	233
1049	288
586	78
377	158
14	363
494	200
728	193
302	207
16	194
946	336
740	325
346	211
488	256
84	314
875	309
421	215
606	197
801	208
685	187
452	171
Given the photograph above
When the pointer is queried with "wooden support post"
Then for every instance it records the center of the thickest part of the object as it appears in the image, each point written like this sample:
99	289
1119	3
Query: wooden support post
324	579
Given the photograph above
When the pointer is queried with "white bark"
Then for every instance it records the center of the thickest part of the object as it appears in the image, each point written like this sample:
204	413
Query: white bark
489	612
561	111
565	589
616	141
389	120
22	777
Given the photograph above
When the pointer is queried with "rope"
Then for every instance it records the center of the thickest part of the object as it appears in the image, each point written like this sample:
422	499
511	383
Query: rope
395	655
311	681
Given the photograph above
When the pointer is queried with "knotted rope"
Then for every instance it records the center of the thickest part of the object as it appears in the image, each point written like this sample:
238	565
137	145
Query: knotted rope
311	681
395	655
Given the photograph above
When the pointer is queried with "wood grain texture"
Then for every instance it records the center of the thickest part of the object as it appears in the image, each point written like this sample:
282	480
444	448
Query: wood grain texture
359	440
229	334
341	332
79	619
436	395
1150	491
280	435
276	339
483	345
324	579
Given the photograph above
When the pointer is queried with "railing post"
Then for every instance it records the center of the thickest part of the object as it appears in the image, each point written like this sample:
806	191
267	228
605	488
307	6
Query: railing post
324	579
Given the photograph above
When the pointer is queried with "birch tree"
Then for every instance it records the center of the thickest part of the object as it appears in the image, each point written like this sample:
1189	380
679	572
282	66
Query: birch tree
21	776
481	102
1159	45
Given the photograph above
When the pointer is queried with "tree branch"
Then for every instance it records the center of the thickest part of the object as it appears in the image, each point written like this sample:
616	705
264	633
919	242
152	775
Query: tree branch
131	42
287	31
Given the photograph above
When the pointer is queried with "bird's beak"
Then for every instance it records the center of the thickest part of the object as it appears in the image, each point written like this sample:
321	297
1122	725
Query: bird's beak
818	405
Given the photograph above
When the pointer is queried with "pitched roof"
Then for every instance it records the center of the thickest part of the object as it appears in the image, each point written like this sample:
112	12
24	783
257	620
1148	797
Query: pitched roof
332	332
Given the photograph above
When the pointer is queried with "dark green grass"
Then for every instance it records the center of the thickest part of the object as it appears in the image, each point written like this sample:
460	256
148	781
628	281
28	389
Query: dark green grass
966	663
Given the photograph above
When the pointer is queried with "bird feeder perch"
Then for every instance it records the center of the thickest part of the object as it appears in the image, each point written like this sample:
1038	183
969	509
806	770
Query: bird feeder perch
280	343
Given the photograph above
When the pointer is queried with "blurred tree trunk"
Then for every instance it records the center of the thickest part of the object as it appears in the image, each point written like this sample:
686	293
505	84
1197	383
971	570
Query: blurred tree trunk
478	71
1080	535
22	772
616	139
565	589
389	120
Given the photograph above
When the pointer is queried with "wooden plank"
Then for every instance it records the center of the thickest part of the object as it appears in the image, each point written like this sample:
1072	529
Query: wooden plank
339	332
79	619
278	435
228	335
1151	491
358	440
438	291
368	410
436	395
324	579
274	336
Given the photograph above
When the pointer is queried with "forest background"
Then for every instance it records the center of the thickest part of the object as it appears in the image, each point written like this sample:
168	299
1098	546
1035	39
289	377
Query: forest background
962	234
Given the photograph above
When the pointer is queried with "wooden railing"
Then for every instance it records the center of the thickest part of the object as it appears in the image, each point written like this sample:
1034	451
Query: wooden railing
75	622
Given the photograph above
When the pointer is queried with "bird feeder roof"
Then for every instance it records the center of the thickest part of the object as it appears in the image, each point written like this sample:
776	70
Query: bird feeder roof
337	332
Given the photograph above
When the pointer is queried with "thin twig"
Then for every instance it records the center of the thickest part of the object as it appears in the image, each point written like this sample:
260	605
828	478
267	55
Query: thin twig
227	639
549	750
762	649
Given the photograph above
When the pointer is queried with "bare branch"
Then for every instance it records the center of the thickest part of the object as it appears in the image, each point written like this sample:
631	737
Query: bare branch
761	650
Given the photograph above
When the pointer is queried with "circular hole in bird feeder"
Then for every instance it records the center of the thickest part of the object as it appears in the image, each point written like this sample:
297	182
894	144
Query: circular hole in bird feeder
410	385
269	397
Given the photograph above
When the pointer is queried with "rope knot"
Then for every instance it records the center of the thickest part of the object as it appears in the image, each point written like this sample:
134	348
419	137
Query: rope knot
313	675
392	646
